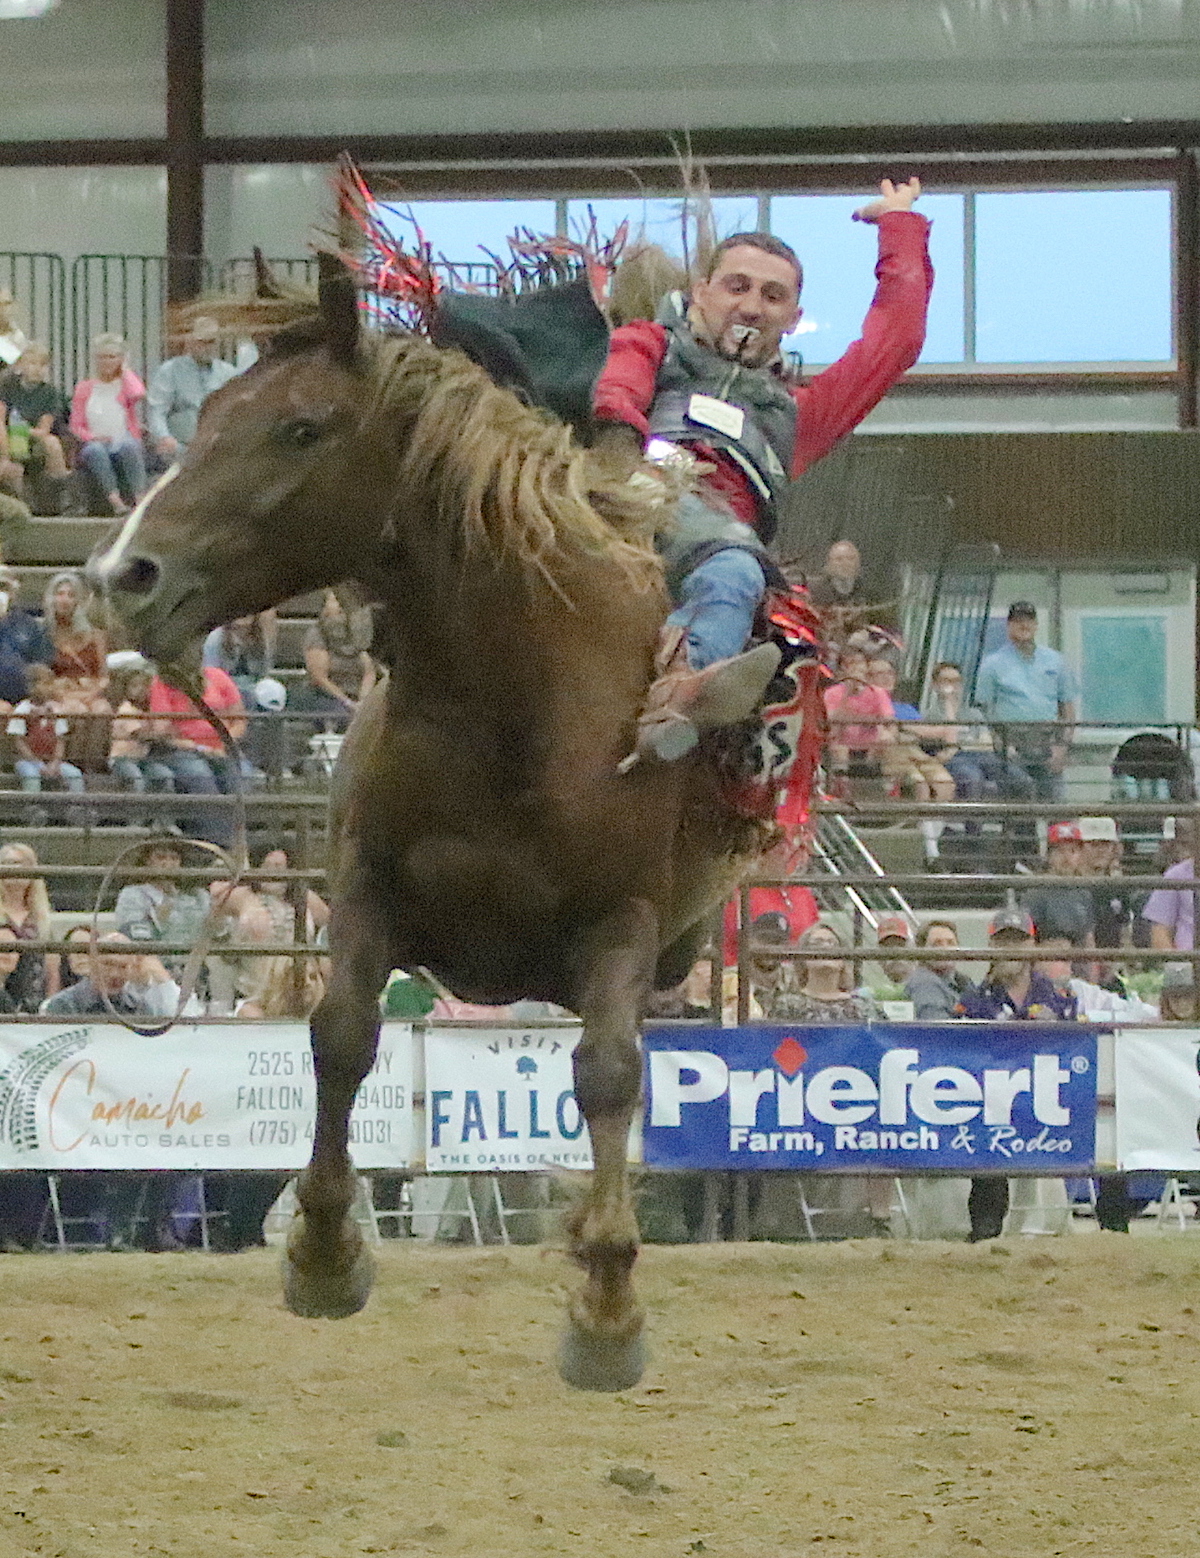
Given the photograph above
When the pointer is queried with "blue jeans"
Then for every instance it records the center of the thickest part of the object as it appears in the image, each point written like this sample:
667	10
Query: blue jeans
978	774
118	467
207	773
142	774
29	771
717	603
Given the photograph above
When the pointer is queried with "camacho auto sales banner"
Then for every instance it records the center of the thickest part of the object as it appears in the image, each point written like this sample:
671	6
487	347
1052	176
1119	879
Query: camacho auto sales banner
1015	1098
95	1096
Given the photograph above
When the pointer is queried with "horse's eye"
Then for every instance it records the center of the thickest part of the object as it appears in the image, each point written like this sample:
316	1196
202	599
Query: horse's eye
301	434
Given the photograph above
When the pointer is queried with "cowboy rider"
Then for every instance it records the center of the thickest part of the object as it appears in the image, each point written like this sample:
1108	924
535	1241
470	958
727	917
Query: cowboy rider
707	375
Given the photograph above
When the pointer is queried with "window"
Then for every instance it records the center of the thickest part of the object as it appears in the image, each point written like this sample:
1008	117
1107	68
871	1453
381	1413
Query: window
1073	276
838	255
659	220
1061	277
461	230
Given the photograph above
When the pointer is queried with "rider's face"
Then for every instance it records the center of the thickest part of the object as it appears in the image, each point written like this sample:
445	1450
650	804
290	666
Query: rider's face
750	291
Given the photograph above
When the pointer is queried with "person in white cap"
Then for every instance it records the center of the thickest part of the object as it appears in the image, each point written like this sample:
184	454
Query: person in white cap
1113	907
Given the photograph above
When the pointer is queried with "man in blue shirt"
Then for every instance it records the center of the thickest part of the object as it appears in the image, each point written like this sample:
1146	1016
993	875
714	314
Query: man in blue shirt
180	386
1024	684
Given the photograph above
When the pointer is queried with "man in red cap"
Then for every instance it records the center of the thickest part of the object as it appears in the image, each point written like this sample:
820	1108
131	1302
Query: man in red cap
1063	911
894	930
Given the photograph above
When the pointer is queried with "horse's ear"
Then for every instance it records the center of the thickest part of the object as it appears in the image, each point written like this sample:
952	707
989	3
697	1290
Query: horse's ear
338	297
265	284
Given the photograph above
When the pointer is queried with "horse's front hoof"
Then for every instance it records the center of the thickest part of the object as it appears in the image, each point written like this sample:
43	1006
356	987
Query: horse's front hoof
318	1292
590	1362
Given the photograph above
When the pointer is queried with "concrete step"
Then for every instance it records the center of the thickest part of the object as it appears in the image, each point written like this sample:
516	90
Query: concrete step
66	542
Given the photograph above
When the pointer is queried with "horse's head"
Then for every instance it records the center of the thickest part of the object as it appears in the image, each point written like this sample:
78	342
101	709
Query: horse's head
268	500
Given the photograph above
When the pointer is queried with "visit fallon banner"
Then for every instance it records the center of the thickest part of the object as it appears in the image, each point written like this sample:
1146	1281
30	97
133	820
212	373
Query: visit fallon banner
1158	1099
501	1100
96	1096
897	1098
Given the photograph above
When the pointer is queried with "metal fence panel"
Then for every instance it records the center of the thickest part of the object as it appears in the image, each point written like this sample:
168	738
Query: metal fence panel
38	284
127	295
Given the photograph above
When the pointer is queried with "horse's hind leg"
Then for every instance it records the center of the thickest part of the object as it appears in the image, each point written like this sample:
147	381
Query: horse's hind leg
327	1269
603	1348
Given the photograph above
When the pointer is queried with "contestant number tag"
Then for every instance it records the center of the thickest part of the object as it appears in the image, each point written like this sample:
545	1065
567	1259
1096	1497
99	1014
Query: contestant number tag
717	414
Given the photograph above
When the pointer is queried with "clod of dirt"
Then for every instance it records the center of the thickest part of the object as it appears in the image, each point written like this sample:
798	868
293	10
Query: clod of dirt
200	1401
432	1532
634	1480
16	1377
391	1439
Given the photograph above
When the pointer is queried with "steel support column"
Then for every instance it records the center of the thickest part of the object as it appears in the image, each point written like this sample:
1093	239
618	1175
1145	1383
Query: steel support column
185	147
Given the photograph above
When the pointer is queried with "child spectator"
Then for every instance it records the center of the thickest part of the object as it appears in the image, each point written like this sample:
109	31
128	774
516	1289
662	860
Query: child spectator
33	417
40	734
927	776
25	910
129	759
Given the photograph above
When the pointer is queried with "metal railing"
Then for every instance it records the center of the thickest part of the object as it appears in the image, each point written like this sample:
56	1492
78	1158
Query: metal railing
38	284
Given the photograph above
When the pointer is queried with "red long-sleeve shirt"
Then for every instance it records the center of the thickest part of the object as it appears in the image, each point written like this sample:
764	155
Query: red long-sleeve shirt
831	404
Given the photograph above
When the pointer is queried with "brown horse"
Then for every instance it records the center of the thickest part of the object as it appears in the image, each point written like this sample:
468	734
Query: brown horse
479	825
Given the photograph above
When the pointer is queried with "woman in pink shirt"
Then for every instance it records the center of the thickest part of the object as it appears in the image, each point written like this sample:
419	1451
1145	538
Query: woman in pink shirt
854	708
105	418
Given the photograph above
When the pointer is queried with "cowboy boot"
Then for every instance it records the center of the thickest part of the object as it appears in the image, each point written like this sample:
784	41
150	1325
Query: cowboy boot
683	702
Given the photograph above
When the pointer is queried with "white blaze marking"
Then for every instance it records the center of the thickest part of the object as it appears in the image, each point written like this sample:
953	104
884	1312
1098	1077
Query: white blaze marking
114	559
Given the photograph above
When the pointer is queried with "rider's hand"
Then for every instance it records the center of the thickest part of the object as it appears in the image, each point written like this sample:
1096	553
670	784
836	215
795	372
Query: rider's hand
893	197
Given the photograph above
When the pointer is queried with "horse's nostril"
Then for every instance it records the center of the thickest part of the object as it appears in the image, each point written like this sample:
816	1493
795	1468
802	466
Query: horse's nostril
138	577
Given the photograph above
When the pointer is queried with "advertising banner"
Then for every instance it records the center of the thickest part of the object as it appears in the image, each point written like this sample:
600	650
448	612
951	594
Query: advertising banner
500	1100
1158	1099
95	1096
896	1098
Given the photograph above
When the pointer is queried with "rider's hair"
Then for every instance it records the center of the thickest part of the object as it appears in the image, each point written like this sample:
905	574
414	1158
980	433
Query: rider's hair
767	242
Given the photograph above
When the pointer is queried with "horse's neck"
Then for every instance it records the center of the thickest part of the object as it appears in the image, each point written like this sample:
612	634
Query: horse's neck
497	633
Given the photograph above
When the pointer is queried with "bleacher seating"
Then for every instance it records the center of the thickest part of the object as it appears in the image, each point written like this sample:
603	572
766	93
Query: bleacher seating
42	548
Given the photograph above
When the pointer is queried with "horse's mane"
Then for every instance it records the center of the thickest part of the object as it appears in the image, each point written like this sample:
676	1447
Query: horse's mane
508	476
511	476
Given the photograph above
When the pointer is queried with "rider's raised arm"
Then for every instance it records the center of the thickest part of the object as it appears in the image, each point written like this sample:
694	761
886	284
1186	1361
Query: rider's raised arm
893	333
625	389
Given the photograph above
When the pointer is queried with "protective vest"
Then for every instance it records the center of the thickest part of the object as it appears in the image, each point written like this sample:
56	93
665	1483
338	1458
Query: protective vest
747	413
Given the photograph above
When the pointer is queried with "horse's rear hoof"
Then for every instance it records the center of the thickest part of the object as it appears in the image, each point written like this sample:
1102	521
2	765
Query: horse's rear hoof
328	1295
590	1363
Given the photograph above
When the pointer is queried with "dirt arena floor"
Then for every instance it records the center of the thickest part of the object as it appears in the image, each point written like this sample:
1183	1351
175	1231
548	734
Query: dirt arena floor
864	1400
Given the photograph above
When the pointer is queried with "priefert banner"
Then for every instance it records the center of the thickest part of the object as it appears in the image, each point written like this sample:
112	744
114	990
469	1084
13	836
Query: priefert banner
892	1098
